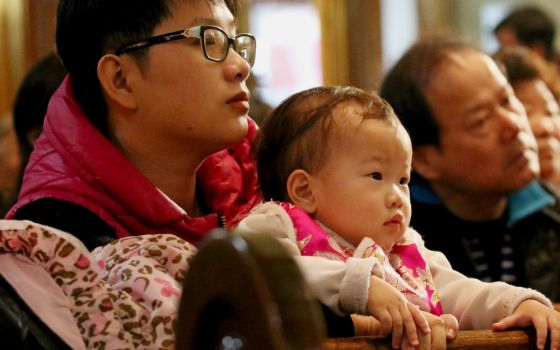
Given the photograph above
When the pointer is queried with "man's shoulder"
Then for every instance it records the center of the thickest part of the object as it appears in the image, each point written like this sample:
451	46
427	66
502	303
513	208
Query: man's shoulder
546	214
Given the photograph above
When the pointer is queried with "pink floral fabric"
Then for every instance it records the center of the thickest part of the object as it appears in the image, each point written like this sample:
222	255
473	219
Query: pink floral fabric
124	295
403	267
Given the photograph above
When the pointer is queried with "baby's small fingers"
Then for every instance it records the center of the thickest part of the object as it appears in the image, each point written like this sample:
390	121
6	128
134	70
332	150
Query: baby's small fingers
451	326
419	318
425	341
386	321
541	328
405	345
505	323
397	328
409	324
439	337
554	326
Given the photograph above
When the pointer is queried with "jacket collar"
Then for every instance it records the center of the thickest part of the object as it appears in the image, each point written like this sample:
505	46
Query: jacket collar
521	204
73	161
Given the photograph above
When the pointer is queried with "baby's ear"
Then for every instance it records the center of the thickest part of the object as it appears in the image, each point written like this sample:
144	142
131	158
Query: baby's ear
300	190
426	160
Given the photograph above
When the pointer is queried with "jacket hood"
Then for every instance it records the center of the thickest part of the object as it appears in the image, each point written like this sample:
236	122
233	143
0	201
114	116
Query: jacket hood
73	161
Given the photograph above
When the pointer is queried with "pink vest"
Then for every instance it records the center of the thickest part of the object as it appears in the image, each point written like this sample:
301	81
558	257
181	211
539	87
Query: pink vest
403	267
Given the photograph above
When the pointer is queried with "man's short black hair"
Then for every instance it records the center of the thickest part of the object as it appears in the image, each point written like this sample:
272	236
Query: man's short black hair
403	86
88	29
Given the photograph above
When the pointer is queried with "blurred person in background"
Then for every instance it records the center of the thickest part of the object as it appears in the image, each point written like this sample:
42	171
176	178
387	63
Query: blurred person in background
32	99
531	27
18	133
9	165
521	68
260	109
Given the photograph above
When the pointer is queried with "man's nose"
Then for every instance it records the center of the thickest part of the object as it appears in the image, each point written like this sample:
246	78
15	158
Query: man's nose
511	123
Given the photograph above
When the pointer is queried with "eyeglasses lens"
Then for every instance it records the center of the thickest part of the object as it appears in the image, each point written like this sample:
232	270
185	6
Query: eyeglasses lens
245	47
216	44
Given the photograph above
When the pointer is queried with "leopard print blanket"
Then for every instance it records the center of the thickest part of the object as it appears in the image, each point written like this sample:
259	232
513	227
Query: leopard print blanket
122	296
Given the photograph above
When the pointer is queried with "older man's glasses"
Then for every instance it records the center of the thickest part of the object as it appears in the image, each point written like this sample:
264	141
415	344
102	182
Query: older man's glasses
215	43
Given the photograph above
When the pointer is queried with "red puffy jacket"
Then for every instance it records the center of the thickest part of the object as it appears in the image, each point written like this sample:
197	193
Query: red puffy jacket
74	162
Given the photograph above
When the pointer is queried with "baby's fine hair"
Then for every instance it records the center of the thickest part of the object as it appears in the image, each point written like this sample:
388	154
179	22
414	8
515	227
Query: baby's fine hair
296	135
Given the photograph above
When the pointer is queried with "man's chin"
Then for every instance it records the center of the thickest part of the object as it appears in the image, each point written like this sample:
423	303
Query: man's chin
240	131
522	181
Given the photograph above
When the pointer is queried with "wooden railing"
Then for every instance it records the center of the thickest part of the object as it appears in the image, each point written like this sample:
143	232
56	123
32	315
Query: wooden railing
247	293
466	340
471	340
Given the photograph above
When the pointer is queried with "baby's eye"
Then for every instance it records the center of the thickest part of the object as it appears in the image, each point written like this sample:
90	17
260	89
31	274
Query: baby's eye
404	181
376	176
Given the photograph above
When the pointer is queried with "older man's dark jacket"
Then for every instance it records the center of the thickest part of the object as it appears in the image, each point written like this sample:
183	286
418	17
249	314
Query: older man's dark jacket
532	222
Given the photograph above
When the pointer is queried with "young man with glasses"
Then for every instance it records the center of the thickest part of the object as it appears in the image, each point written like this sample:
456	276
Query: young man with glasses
150	131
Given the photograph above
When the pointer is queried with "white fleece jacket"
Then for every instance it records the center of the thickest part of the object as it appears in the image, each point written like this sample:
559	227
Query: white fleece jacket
344	286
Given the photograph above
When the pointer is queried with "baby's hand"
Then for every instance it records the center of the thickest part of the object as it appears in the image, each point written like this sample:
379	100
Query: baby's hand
531	312
395	313
443	328
367	325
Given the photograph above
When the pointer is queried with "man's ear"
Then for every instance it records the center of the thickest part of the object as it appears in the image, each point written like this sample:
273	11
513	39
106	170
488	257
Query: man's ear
426	160
300	190
114	73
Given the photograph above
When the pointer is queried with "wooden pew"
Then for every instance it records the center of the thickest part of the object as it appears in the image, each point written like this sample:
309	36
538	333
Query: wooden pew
246	292
466	340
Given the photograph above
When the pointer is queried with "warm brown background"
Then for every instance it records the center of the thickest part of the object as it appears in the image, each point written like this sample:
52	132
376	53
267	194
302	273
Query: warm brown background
351	35
26	34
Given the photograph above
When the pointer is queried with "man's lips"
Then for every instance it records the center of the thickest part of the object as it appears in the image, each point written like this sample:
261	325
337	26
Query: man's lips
519	157
240	101
239	97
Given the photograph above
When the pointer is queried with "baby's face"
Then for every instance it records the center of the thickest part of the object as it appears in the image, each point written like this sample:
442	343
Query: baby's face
362	188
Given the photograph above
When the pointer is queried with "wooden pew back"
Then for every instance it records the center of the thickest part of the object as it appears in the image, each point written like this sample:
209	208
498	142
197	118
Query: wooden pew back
466	340
246	292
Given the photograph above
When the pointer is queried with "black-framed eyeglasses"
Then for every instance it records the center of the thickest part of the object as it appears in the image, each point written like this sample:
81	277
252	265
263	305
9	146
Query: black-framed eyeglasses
215	43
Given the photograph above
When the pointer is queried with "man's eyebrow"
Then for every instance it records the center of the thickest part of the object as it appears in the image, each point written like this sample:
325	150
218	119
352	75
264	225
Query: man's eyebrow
212	21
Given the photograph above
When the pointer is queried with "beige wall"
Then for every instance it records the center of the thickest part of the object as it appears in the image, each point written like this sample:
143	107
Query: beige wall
351	42
26	34
12	57
364	43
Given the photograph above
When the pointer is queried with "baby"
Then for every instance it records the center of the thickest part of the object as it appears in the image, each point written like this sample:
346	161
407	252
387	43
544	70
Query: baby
336	163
